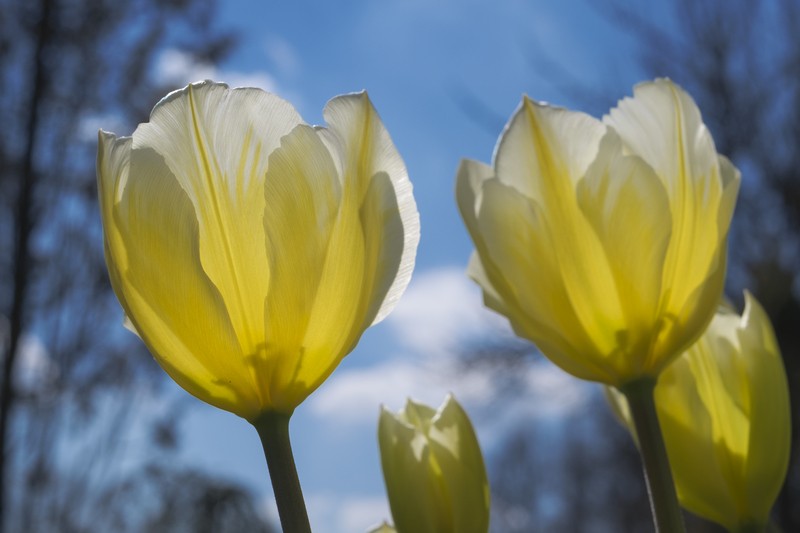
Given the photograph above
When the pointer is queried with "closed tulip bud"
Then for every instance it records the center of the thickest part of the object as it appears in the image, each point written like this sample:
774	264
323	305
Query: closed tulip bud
724	410
603	242
249	250
434	471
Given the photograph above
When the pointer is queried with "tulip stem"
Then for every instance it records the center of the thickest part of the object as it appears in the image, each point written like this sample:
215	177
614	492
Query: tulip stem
660	486
273	429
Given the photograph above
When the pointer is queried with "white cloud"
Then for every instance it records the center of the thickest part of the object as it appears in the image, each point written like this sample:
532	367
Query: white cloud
336	512
442	309
355	396
178	68
282	54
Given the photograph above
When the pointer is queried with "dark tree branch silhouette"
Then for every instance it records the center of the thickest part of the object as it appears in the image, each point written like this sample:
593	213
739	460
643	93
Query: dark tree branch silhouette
81	400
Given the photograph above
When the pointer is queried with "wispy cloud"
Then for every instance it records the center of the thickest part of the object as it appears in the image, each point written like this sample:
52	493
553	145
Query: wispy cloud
346	512
282	55
441	310
178	68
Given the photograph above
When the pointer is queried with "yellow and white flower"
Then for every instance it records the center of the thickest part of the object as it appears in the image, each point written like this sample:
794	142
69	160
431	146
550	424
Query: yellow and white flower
603	242
724	411
249	250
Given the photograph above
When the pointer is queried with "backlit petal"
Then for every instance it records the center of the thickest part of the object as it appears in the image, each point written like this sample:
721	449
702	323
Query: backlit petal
469	194
687	425
550	149
302	196
770	417
545	150
366	154
164	290
452	439
628	209
521	243
216	142
412	496
662	124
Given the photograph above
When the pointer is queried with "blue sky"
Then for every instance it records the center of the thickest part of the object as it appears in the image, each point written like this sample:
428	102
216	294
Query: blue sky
414	57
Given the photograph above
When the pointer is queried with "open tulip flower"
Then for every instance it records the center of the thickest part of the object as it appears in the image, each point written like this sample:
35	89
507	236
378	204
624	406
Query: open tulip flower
434	471
603	242
724	410
250	250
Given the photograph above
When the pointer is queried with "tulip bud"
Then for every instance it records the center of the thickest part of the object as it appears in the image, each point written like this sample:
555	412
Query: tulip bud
433	469
383	528
603	242
724	412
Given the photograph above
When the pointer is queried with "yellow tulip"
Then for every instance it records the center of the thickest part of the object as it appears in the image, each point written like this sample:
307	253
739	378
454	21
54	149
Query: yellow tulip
724	411
603	242
434	471
249	250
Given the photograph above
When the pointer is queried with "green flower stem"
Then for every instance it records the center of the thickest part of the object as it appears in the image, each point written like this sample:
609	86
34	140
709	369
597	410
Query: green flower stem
273	428
660	486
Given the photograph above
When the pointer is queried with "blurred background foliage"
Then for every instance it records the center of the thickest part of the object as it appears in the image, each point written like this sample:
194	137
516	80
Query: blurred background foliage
79	450
84	448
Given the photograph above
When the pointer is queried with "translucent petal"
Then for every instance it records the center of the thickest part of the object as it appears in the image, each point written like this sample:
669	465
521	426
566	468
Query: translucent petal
152	242
550	150
628	209
769	410
452	440
413	492
497	292
542	143
216	142
662	124
302	197
519	241
364	152
687	425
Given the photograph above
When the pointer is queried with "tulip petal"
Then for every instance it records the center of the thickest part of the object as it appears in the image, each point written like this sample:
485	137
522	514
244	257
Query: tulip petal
662	124
469	182
302	197
627	207
216	141
523	244
770	420
731	179
404	459
364	152
547	151
152	245
113	165
693	457
452	439
373	241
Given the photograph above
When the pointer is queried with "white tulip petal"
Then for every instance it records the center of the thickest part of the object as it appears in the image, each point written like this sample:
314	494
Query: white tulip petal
165	289
363	150
522	242
542	143
628	208
302	206
216	141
